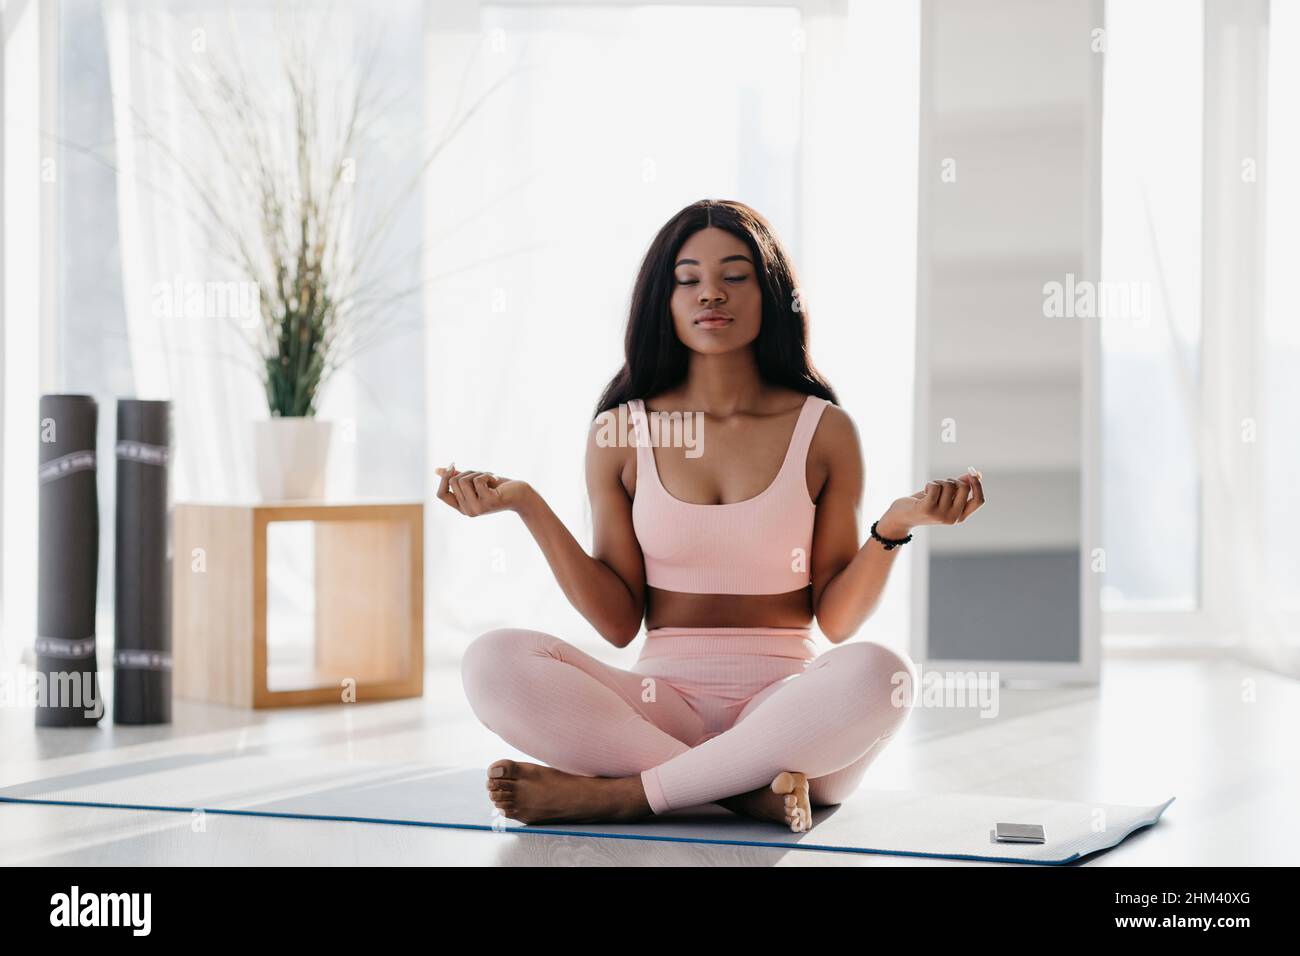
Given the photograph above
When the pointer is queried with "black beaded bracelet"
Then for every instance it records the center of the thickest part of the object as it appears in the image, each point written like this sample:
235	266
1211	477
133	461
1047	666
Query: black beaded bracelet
889	543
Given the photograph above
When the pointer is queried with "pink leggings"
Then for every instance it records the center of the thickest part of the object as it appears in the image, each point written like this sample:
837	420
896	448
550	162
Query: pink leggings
704	714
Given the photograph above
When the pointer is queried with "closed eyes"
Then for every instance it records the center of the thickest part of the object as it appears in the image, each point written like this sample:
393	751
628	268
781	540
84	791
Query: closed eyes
695	281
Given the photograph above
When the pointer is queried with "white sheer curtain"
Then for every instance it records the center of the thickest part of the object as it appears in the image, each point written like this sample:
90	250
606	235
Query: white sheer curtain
27	311
1245	424
608	120
1251	150
167	154
1282	324
163	150
202	363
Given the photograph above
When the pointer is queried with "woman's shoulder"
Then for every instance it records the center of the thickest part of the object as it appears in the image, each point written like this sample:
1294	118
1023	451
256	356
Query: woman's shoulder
836	429
835	450
611	451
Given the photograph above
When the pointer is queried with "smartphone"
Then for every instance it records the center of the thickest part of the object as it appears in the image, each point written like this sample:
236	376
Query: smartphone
1019	833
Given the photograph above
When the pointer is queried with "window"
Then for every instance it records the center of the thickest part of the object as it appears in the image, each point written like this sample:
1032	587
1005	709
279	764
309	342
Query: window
93	75
602	121
1151	242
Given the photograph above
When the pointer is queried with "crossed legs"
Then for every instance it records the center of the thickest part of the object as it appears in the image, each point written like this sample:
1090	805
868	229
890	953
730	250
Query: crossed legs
586	718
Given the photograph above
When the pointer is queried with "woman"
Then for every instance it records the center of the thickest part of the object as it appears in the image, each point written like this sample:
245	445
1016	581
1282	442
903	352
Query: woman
728	547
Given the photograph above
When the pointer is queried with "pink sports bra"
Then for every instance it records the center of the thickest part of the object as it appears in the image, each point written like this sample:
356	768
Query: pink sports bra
762	545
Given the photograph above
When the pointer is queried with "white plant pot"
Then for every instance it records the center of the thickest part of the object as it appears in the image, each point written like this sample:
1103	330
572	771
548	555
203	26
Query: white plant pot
291	457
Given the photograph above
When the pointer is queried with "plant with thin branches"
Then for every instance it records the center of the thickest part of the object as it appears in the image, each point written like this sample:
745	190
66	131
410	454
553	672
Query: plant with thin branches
283	212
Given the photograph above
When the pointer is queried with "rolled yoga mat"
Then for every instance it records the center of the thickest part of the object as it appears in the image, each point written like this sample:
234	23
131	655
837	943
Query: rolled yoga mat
142	643
67	564
957	826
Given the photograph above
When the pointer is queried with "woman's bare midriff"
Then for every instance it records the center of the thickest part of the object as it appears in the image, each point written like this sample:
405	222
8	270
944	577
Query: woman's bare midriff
677	609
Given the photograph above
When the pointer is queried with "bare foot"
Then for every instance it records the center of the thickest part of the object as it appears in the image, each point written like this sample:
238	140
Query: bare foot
531	793
784	801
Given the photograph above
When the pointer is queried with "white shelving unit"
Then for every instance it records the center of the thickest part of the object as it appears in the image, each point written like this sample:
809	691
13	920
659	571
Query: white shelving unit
1009	201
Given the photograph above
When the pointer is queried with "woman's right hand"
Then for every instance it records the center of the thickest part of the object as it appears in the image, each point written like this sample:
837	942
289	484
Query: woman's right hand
475	493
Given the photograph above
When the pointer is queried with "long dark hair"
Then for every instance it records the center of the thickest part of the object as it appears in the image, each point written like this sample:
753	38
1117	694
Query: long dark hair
656	360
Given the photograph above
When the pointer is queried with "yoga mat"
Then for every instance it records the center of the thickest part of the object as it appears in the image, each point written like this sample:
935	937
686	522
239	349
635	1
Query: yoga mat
142	641
954	826
67	563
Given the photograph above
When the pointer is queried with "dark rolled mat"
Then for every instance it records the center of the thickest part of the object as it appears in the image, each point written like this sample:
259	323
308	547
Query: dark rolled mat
142	646
67	563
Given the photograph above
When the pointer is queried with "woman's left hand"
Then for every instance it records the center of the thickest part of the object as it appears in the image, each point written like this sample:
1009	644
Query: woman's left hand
943	501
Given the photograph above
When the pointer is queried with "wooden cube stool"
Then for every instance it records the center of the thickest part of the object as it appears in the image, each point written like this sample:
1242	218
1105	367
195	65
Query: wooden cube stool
369	604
